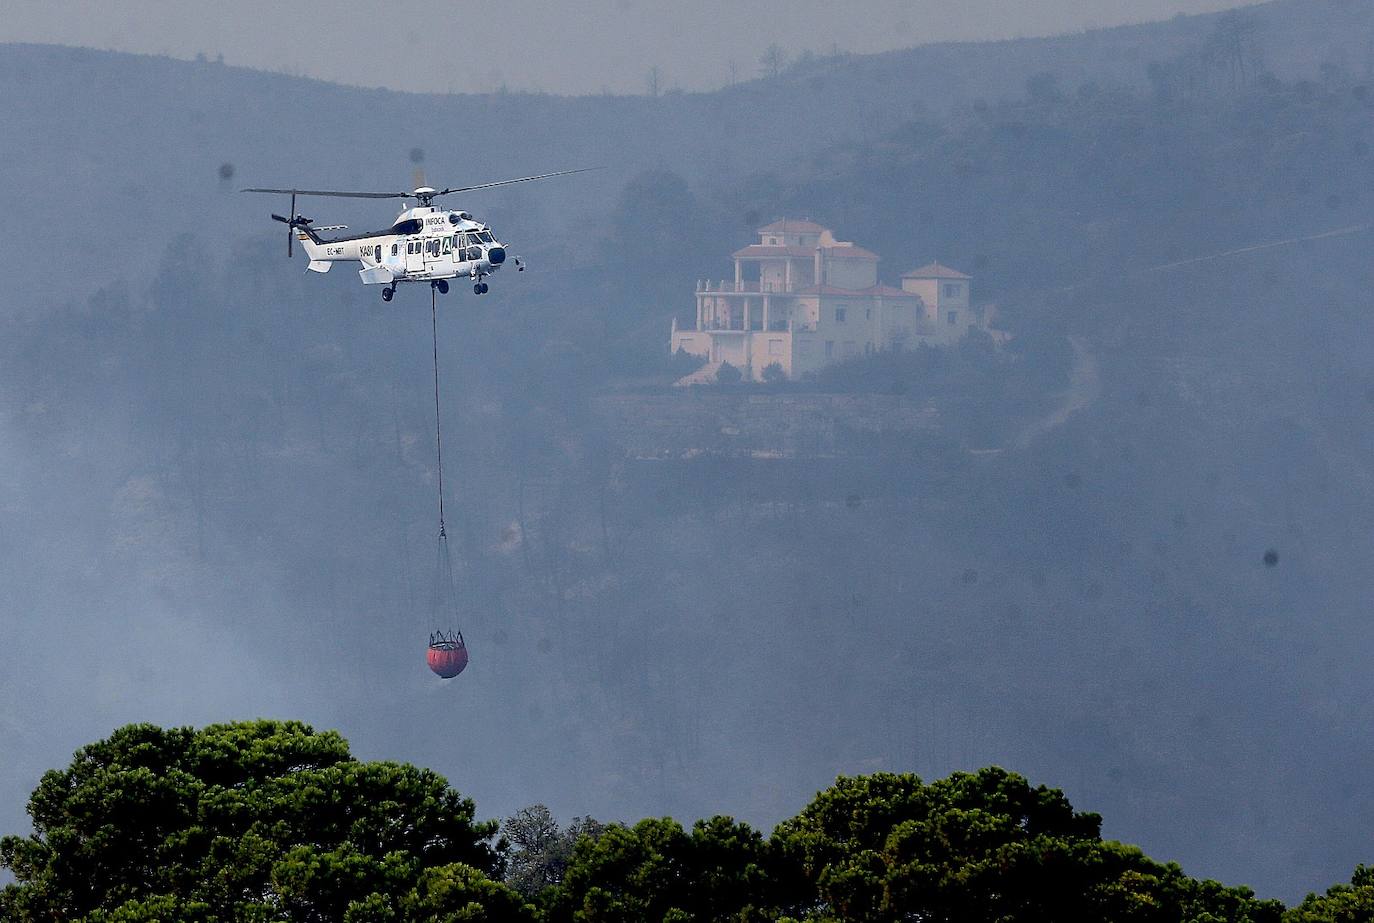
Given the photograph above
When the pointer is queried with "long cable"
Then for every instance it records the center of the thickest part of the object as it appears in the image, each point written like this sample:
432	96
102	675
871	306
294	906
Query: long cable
1207	258
438	431
445	590
1253	248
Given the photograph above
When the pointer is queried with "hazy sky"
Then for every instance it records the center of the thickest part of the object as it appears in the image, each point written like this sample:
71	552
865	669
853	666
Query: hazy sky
587	46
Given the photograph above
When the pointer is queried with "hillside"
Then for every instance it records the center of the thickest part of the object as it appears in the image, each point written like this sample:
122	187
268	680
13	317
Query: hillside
218	480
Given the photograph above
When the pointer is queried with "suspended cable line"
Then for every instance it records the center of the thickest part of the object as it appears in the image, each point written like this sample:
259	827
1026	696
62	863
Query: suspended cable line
438	427
448	653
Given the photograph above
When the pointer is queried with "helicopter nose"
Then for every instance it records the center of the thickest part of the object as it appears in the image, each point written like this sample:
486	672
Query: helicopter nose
497	255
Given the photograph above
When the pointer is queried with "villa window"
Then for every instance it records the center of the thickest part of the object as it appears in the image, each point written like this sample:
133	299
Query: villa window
829	349
840	315
953	318
953	290
775	347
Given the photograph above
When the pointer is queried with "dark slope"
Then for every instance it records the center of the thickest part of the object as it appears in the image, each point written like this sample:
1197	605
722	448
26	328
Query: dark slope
1121	556
217	485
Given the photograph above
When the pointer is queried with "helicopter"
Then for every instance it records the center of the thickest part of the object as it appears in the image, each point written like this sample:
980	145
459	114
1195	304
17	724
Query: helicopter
425	243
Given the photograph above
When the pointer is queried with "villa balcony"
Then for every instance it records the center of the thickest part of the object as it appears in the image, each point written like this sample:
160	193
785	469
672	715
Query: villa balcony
730	287
736	325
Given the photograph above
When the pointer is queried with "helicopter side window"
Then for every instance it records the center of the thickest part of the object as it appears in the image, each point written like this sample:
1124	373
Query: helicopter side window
448	245
395	249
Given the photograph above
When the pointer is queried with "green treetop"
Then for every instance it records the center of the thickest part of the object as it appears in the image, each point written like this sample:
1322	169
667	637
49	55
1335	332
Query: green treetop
260	820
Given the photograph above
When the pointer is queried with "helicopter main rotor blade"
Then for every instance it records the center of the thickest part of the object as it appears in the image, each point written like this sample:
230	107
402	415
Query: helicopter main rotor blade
507	182
411	195
342	195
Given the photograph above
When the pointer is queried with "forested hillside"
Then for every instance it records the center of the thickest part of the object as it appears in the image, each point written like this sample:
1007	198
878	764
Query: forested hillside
1148	582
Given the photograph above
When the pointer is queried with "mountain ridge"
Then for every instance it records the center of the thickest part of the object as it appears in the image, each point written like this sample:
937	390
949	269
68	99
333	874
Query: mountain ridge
179	122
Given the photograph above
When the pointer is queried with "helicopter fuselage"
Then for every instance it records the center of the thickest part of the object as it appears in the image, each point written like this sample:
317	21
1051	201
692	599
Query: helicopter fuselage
424	244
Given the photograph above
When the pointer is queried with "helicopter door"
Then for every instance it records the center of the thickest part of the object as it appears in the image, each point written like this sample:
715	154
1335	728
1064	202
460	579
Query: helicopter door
415	257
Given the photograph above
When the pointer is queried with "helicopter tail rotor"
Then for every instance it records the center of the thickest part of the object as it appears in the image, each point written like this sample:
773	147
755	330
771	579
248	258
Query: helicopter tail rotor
295	221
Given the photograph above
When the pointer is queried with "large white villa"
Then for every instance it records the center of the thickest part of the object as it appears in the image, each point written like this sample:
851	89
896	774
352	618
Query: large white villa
802	299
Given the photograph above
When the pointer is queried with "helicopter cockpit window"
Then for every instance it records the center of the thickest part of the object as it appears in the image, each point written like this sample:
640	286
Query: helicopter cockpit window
484	236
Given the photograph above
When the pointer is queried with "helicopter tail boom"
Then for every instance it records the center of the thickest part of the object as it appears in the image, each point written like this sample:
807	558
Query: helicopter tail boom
376	275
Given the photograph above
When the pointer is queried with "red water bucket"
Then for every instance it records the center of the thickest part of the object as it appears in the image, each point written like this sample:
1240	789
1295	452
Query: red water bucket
447	656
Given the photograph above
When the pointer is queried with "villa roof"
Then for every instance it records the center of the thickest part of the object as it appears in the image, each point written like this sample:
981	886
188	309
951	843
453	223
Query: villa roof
935	271
792	226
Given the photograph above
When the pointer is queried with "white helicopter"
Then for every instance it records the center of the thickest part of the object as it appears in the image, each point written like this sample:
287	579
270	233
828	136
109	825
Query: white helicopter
424	244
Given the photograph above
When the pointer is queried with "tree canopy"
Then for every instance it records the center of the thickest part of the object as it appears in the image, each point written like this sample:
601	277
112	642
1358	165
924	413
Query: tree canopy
261	820
1352	903
974	846
272	821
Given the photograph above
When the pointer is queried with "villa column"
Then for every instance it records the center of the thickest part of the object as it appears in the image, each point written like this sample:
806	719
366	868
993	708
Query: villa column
746	315
699	305
739	274
786	279
765	311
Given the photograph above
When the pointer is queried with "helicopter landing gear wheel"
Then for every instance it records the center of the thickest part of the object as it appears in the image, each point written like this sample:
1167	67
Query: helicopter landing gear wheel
387	293
442	285
477	289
